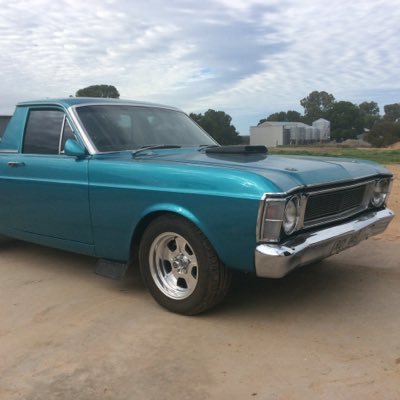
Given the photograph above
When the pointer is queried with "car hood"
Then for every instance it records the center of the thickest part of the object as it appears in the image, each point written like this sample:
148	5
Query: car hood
285	172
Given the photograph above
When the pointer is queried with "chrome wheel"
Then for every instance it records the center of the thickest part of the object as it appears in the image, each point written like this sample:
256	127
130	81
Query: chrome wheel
179	266
173	265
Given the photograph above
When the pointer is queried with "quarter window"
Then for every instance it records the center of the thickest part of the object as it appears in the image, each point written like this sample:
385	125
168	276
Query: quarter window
67	134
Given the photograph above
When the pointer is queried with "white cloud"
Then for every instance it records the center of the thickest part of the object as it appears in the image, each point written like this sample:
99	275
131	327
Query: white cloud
247	57
345	48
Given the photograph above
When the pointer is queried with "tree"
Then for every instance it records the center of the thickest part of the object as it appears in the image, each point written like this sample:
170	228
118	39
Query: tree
392	112
369	113
278	116
384	133
283	116
218	125
369	108
108	91
261	121
317	105
346	120
293	116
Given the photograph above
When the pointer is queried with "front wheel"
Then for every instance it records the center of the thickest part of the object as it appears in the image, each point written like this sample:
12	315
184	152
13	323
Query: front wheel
180	267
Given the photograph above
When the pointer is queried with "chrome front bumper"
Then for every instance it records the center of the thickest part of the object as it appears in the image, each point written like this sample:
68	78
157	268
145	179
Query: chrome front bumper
276	260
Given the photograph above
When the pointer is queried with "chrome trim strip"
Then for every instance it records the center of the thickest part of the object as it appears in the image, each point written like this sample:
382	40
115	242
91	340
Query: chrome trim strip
303	198
9	151
61	134
125	103
82	132
260	218
276	260
338	189
92	101
311	188
262	222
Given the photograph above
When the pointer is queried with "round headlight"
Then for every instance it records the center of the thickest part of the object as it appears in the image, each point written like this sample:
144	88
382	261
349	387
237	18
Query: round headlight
378	199
291	215
379	194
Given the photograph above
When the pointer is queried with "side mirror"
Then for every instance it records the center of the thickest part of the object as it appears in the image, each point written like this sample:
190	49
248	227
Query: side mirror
74	149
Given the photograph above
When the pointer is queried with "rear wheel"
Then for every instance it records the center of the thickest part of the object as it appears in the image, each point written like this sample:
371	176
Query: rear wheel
180	267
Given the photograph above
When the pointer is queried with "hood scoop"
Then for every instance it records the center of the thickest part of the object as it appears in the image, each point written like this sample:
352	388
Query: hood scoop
237	149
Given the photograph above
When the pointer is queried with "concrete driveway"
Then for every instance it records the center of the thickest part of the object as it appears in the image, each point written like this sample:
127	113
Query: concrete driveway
328	331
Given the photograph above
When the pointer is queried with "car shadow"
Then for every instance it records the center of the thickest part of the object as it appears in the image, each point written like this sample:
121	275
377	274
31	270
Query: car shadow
319	288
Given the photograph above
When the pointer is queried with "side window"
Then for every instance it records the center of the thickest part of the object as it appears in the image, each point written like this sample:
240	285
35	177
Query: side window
43	130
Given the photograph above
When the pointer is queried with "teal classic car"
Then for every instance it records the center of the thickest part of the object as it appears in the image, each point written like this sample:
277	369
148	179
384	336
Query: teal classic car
141	184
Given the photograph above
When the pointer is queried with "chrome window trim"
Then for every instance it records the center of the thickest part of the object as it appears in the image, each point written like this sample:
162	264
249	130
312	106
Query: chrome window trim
125	103
65	121
61	134
82	132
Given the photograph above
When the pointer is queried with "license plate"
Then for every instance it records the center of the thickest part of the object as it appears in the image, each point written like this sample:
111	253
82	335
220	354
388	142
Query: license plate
348	241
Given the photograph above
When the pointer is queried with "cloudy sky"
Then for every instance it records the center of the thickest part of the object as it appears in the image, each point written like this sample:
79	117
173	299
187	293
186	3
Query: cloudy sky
248	58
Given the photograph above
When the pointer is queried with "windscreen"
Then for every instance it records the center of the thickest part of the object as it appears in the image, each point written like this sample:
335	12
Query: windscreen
125	127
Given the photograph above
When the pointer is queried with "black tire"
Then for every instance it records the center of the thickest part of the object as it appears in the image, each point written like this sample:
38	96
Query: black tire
180	268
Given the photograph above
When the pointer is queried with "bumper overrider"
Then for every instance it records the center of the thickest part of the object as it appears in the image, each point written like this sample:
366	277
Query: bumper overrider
276	260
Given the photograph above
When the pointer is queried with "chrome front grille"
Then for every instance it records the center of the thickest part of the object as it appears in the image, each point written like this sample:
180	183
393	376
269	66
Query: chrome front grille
326	204
332	204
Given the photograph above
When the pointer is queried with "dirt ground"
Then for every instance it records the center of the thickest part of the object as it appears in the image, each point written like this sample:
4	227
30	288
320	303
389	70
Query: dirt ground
326	331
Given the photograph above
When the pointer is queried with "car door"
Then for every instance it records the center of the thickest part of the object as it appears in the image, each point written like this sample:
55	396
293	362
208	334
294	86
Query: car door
47	191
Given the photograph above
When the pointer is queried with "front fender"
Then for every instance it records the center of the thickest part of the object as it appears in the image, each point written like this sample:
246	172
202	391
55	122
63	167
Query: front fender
230	226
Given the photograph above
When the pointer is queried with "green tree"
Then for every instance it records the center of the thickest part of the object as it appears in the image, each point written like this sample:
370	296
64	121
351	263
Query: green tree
261	121
346	120
218	125
384	133
317	105
283	116
278	116
392	112
293	116
108	91
369	113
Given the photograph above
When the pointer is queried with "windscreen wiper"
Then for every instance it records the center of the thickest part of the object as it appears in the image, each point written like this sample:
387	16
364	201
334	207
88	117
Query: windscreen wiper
207	146
155	146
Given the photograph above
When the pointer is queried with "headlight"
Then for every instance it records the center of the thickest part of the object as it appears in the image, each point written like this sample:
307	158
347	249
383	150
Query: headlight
291	215
380	192
272	218
277	215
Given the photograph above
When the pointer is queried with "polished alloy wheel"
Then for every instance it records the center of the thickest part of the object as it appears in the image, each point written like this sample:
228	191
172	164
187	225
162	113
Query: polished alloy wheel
173	265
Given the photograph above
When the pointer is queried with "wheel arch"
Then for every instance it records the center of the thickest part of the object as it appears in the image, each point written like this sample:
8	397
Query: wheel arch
153	213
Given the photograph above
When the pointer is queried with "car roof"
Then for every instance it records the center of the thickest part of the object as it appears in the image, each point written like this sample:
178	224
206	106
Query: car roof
76	101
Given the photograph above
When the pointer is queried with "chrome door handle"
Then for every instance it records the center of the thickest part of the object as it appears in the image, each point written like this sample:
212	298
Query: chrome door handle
16	164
